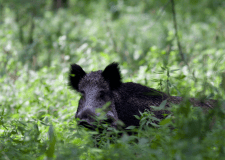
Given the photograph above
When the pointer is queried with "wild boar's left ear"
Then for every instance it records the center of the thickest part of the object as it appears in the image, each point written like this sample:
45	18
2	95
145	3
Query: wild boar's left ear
76	74
112	75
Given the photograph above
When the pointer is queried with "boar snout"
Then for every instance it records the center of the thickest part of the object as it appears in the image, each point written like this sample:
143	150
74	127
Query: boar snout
87	114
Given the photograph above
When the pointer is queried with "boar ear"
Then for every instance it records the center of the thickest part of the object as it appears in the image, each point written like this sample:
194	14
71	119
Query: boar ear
76	74
112	75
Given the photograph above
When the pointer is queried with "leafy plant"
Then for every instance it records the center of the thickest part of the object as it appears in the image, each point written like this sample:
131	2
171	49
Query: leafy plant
37	46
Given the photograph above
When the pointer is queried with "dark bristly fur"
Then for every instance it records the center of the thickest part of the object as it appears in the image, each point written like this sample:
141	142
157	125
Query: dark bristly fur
76	74
112	75
127	99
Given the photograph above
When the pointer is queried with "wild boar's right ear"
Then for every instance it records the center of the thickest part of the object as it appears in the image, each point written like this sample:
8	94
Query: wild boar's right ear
112	75
76	74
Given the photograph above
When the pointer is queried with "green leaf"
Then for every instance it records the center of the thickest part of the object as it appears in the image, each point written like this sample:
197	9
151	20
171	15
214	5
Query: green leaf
142	141
131	127
136	116
165	121
174	70
52	140
144	118
181	77
161	106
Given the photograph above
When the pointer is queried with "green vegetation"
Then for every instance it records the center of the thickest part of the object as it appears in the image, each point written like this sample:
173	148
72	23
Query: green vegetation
38	44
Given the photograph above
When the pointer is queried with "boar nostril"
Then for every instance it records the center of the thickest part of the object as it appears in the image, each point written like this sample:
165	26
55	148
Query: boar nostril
87	113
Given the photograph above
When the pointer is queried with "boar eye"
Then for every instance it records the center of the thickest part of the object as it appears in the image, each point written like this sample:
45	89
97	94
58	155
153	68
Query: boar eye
82	93
101	94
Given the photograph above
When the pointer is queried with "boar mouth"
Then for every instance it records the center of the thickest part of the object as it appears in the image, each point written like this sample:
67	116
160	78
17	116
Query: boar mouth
86	125
93	122
97	125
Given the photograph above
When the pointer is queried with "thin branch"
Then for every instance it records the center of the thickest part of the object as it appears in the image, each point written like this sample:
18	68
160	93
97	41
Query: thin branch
158	17
178	40
176	31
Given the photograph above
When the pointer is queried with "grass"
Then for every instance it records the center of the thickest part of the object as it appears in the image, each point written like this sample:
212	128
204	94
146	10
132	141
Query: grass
37	107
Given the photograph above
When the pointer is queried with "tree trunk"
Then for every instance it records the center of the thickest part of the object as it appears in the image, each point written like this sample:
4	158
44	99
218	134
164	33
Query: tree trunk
56	4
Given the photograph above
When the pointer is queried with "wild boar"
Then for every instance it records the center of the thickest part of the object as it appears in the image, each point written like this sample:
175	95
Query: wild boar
126	99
